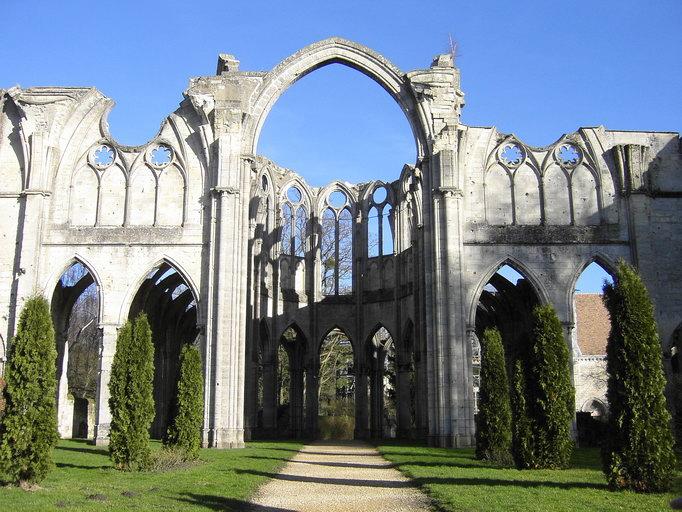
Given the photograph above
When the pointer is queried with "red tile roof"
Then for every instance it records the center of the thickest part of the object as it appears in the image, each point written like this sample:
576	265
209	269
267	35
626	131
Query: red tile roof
593	323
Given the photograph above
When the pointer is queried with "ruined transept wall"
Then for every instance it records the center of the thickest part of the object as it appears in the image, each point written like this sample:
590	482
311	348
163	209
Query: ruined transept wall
199	199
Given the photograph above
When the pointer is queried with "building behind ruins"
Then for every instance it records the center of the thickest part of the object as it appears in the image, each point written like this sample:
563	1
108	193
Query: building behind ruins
224	248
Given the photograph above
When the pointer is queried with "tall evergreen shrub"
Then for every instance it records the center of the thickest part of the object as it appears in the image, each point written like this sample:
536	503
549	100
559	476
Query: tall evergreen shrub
522	428
638	452
28	431
493	424
185	431
131	396
550	393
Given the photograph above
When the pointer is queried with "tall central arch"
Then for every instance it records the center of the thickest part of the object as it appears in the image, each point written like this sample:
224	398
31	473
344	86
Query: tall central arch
323	53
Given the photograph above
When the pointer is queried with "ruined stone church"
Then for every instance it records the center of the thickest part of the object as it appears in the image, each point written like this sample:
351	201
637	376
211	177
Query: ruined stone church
224	248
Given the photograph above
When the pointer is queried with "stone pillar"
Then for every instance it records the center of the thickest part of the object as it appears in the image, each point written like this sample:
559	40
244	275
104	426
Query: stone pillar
403	400
64	405
296	400
376	383
449	377
269	397
421	399
228	276
361	402
569	336
311	397
109	333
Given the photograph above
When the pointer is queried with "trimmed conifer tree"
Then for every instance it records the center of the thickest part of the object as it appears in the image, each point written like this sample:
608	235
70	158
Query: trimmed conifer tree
28	431
638	451
493	424
185	431
549	390
131	396
522	429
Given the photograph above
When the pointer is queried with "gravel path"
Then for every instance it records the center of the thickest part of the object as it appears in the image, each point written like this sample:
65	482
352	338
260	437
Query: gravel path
339	476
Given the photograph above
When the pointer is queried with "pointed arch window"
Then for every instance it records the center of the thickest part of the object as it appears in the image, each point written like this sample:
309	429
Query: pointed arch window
380	224
294	223
336	248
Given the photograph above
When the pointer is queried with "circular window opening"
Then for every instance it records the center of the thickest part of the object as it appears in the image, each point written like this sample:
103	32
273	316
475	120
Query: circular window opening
337	199
103	156
511	155
379	195
568	155
161	156
294	194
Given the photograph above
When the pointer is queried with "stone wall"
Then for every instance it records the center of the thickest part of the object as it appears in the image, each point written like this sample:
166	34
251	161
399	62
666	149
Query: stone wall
196	199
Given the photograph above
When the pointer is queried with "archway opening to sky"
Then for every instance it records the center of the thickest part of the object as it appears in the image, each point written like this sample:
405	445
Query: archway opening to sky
336	123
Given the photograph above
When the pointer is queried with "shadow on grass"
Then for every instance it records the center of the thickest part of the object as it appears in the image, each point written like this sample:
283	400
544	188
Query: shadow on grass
498	482
94	451
354	482
221	503
79	466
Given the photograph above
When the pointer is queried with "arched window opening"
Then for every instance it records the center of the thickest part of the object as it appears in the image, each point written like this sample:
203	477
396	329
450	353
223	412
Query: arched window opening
336	392
373	221
334	119
291	383
75	315
336	247
294	223
381	356
506	302
380	224
171	309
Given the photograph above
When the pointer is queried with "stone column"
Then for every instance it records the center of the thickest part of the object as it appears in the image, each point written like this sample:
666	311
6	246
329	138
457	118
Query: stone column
312	382
109	333
361	402
449	387
403	399
296	400
64	406
269	397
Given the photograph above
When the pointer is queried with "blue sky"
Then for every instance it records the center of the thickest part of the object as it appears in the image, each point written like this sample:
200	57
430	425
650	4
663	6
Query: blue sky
534	68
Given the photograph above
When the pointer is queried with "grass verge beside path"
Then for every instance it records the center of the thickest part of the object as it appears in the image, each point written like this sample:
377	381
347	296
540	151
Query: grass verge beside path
457	481
84	479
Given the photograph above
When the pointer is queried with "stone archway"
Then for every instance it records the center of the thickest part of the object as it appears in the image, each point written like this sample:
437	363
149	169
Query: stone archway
334	51
171	307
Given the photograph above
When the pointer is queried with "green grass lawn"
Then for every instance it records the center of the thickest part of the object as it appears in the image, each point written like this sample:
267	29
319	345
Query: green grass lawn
84	479
457	481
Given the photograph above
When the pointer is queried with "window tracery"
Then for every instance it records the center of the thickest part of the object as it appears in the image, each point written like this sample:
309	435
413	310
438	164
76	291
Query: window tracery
294	223
336	247
380	223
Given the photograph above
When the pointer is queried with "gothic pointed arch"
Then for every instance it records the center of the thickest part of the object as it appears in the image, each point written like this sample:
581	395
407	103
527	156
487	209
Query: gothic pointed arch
519	267
334	50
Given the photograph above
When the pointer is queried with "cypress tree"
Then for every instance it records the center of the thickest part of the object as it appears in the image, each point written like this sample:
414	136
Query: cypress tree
185	432
131	396
638	452
28	431
550	393
522	429
493	432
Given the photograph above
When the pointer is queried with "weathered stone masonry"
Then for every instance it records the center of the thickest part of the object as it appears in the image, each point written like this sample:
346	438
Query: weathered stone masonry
189	227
